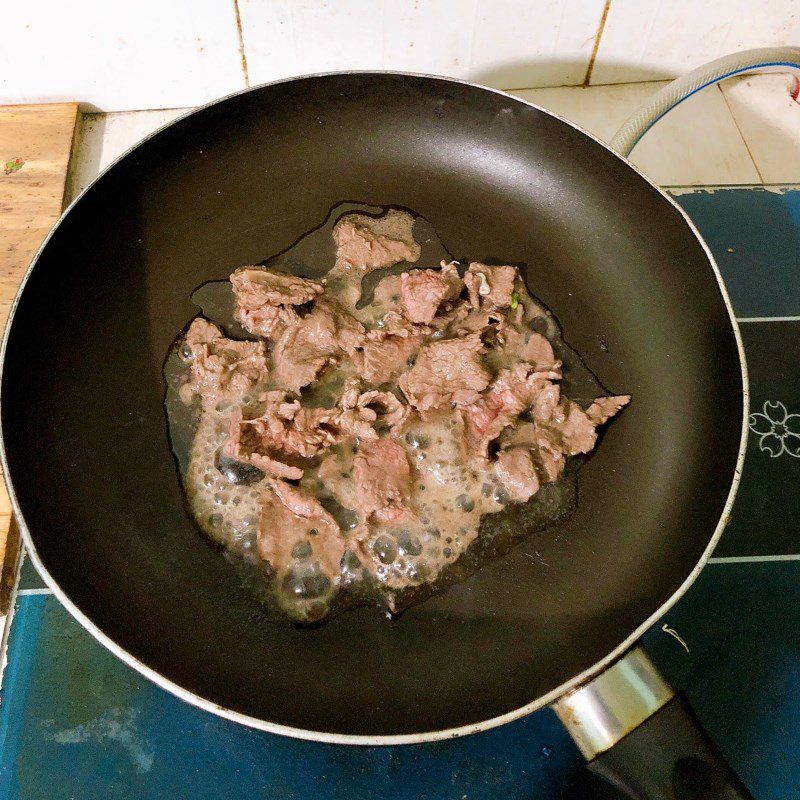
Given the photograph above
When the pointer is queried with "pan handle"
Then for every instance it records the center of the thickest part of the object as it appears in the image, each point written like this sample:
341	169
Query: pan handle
643	738
676	92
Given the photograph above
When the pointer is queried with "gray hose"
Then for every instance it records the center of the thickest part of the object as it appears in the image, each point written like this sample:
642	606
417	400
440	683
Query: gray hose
676	92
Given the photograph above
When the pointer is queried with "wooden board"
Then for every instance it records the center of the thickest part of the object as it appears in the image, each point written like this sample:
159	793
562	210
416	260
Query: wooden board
35	146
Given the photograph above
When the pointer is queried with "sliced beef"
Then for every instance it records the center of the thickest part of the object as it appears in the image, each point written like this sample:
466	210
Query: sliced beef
561	428
383	406
297	535
603	408
517	473
423	291
287	430
266	298
221	370
284	427
448	371
335	473
383	481
465	319
520	344
513	392
387	292
385	355
387	406
312	342
364	244
247	444
568	430
490	287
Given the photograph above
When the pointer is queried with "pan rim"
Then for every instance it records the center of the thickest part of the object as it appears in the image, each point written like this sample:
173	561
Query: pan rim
380	739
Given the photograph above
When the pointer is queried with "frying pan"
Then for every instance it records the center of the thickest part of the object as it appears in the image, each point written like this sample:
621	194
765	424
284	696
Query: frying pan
637	292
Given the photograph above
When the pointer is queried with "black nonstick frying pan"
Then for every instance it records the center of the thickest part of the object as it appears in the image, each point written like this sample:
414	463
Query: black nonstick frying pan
638	295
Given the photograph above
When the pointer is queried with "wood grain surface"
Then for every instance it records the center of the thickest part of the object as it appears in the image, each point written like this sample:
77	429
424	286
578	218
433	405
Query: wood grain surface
35	147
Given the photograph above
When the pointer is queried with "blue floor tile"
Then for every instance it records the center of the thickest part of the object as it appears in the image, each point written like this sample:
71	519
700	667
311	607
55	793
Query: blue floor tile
755	237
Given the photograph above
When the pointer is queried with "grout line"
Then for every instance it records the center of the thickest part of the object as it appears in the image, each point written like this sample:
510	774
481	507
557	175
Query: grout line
242	53
768	319
596	48
753	559
741	135
40	590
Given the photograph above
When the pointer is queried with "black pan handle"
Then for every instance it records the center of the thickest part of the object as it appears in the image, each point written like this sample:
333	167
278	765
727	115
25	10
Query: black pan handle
644	739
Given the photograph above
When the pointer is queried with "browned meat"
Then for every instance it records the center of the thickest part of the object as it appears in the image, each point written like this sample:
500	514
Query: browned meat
490	287
410	416
518	344
423	291
373	405
445	372
265	298
570	429
312	342
386	405
539	352
221	370
365	244
383	481
465	320
246	443
511	393
602	409
286	428
335	474
386	355
561	428
291	520
517	473
387	292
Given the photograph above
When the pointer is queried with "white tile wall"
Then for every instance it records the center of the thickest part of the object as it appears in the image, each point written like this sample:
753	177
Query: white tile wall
506	43
119	55
769	120
523	44
647	39
701	142
154	54
697	143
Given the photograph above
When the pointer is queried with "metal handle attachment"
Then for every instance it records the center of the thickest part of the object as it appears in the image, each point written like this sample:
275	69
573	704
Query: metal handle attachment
599	714
643	738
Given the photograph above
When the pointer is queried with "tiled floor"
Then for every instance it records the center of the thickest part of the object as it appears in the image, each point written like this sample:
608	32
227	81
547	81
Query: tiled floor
746	132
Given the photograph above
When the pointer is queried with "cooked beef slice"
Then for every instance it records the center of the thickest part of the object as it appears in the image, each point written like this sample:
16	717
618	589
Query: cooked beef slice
299	538
603	408
266	299
385	355
221	370
510	394
517	473
448	371
383	481
490	287
312	342
423	291
365	243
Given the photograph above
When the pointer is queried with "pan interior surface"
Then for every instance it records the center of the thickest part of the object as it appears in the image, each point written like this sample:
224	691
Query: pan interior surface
85	432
